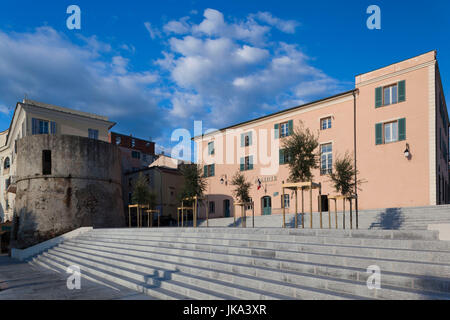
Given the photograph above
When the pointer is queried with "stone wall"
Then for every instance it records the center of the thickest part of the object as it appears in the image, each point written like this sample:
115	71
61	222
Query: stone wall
83	188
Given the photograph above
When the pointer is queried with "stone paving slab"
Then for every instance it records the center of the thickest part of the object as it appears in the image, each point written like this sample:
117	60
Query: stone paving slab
22	281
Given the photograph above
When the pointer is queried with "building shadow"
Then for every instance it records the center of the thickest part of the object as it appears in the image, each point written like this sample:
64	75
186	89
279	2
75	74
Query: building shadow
391	219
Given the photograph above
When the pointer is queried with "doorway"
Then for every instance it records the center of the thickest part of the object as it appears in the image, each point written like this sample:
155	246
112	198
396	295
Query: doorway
266	205
226	208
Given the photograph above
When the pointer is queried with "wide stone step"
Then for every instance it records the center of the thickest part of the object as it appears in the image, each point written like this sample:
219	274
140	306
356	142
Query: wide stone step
371	234
283	250
93	273
234	286
148	283
308	280
248	265
431	245
413	267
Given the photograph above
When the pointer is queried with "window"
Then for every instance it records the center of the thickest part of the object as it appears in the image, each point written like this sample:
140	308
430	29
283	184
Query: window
286	200
208	170
133	143
326	158
118	140
144	157
211	147
246	139
284	129
390	131
6	164
46	162
325	123
130	182
212	207
93	134
135	154
246	163
390	94
43	126
284	157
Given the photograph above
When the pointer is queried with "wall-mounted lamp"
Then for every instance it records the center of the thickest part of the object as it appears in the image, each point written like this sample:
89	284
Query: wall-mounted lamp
223	179
406	152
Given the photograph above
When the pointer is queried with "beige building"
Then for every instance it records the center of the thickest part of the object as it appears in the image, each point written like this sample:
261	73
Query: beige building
164	179
395	121
34	118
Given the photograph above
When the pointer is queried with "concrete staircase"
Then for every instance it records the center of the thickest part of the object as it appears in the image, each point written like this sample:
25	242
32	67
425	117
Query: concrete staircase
259	263
409	218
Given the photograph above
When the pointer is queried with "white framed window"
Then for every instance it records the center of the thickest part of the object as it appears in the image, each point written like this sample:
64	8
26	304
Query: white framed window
390	131
211	148
390	95
284	129
325	123
326	158
118	140
133	143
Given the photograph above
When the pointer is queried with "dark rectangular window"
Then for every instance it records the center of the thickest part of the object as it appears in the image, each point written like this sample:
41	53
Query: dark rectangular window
212	207
46	162
136	154
93	133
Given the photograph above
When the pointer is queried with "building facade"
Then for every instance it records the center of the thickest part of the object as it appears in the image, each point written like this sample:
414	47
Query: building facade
58	172
164	179
394	109
135	153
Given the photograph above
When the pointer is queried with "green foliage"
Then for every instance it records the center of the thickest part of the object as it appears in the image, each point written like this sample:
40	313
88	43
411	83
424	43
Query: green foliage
142	194
242	190
343	175
302	157
194	182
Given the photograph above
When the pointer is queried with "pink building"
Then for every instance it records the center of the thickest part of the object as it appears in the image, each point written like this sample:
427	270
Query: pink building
398	107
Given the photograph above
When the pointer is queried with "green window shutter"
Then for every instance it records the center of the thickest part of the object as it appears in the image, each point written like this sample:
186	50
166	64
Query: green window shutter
205	171
242	139
277	134
212	170
401	91
378	97
242	167
250	138
250	164
281	153
378	133
401	129
291	126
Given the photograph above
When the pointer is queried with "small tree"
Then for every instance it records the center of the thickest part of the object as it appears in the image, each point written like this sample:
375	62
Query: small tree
194	182
242	190
343	175
142	194
300	149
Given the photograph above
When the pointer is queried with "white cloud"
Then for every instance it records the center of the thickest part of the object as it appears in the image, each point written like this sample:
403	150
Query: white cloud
48	67
154	32
287	26
226	72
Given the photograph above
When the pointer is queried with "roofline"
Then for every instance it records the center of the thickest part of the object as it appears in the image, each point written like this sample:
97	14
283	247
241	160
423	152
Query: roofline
391	64
162	168
127	135
86	115
280	112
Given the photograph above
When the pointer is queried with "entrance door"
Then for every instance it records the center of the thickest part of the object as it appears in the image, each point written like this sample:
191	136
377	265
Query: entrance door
266	205
226	208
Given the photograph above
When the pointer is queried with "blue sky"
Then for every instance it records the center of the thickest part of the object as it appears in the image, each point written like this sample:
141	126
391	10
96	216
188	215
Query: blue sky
154	66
